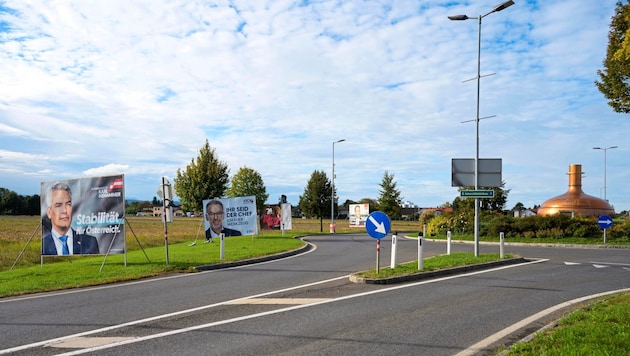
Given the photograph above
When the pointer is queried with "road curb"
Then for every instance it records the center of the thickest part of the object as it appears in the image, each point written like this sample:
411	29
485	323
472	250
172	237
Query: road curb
250	261
355	278
528	244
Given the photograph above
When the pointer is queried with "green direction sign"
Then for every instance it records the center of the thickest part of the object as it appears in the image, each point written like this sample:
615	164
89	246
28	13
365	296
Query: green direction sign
477	193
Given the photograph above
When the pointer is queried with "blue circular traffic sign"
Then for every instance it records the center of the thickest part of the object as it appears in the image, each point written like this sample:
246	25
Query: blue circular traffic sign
378	225
604	221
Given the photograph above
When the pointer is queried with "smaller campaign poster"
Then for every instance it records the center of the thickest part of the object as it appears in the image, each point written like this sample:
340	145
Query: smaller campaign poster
83	216
271	217
276	217
359	214
230	216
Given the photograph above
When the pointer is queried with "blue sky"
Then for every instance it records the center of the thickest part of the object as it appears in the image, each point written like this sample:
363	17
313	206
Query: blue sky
92	88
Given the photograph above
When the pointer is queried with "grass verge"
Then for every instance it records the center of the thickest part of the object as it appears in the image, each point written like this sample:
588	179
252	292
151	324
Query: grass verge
61	272
601	328
457	259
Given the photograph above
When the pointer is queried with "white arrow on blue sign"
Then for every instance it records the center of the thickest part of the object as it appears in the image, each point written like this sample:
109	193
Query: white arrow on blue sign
604	221
378	225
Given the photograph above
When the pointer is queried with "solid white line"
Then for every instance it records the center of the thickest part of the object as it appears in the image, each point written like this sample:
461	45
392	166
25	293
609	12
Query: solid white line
481	345
222	322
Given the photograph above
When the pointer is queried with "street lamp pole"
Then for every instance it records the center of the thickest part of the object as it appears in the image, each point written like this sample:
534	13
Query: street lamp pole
332	194
497	8
605	149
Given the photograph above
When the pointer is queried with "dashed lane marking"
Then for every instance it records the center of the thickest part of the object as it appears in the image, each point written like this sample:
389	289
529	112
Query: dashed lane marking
289	301
85	342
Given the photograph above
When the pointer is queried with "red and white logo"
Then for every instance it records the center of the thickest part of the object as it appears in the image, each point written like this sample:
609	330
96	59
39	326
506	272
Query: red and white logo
117	184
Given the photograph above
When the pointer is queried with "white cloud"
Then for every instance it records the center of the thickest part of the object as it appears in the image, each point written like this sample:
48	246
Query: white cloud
93	88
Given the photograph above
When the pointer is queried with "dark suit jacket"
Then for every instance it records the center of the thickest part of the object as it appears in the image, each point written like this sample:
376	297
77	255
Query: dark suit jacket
82	244
226	231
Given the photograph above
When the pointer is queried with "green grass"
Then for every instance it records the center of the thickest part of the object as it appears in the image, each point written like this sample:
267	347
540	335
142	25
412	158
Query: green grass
61	272
21	236
456	259
601	328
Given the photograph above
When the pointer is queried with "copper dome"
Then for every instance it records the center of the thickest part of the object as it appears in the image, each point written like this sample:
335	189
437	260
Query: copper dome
575	201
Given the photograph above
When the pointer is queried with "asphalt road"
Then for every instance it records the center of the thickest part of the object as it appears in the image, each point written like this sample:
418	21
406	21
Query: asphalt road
306	305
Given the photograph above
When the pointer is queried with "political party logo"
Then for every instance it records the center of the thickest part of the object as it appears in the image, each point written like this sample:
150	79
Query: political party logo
116	185
112	190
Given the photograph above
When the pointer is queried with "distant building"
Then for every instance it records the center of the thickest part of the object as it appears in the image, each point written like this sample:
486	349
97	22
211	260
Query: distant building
523	213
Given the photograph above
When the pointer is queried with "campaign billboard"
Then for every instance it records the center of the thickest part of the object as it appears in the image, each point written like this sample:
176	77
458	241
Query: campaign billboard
83	216
358	214
276	217
230	216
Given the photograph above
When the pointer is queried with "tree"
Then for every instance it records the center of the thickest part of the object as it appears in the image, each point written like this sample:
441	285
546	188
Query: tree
248	182
10	202
316	198
204	178
389	198
615	76
497	202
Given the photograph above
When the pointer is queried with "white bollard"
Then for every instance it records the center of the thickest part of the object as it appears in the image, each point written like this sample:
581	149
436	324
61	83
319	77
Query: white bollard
448	242
393	261
501	244
420	253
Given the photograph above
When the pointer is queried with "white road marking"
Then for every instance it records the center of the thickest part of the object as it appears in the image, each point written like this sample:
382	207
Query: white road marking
84	342
245	317
600	266
278	301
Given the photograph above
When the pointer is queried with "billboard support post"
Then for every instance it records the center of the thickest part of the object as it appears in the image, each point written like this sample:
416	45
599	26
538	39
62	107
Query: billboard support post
222	238
166	193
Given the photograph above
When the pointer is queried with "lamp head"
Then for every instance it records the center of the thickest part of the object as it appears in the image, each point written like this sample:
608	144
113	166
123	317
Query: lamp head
458	17
503	6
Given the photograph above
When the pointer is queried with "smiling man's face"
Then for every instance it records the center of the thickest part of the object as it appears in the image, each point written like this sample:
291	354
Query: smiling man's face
60	211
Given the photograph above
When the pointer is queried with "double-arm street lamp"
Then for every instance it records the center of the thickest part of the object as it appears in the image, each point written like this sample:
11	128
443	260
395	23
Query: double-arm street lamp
497	8
604	149
332	194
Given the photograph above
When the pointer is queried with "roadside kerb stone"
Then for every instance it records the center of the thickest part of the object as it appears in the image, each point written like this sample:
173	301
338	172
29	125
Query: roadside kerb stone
355	278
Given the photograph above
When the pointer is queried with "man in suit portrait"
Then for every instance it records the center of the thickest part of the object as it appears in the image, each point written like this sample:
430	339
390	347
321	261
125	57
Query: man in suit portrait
214	215
62	239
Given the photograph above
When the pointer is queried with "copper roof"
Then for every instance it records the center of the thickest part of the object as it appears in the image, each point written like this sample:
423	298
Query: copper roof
575	200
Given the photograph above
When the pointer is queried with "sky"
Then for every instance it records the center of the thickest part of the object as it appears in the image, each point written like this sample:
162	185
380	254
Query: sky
136	87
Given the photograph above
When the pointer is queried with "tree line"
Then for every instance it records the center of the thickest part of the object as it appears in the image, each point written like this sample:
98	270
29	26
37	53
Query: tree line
12	203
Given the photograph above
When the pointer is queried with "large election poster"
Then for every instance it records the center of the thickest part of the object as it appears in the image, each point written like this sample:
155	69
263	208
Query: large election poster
230	216
83	216
359	214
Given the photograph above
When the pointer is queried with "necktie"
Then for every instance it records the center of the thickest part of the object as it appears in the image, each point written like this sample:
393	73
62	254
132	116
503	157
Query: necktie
64	245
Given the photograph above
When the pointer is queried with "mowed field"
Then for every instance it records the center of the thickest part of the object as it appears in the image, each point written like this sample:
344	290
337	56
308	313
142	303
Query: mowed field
20	236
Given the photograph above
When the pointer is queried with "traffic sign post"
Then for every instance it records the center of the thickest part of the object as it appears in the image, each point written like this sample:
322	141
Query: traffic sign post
605	222
377	226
